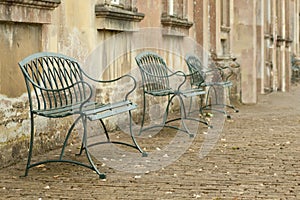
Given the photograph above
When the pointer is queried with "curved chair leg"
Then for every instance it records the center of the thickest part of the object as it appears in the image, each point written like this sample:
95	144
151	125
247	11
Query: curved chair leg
190	106
216	102
166	114
83	147
201	107
230	105
144	154
165	117
67	137
183	116
143	116
200	110
105	130
84	141
28	165
131	134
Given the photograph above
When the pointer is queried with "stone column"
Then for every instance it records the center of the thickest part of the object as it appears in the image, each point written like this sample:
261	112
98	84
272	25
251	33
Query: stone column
201	24
260	47
244	47
297	27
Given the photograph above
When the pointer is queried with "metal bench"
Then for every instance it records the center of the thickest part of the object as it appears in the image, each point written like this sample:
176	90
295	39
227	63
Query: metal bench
156	76
295	61
57	87
198	77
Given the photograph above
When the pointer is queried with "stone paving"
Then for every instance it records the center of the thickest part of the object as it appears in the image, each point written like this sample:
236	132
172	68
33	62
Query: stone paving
256	157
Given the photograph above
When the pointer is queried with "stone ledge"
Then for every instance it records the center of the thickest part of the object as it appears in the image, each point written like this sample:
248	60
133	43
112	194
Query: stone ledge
225	29
176	22
115	18
177	25
27	11
117	13
42	4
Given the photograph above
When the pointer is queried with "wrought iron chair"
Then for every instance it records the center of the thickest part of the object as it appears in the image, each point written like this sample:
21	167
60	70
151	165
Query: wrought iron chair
155	82
198	77
295	68
57	88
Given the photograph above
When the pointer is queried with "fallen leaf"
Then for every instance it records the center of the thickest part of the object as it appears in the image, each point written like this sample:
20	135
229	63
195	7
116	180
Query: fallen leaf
56	176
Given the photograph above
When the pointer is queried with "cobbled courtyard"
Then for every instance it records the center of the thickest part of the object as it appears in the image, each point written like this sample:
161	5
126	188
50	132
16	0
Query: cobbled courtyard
257	156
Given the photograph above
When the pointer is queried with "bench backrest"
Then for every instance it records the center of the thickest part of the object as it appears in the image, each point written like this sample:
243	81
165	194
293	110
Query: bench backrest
154	71
53	81
197	75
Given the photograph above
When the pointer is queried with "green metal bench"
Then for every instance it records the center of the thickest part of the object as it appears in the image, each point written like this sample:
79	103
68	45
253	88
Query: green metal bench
295	63
198	80
156	76
57	87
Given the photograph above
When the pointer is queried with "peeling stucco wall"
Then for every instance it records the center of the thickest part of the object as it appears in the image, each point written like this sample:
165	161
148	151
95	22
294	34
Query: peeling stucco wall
15	130
22	33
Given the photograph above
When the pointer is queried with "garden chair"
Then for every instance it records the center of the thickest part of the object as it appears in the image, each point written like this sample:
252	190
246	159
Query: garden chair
57	87
198	75
295	61
156	82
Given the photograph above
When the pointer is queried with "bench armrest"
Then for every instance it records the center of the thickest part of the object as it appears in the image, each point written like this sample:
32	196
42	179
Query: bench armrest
114	80
176	73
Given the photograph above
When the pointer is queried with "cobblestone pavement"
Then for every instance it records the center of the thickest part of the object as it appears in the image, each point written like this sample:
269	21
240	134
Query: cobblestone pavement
256	157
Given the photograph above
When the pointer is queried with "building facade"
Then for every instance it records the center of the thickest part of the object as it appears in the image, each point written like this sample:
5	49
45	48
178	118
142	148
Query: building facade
258	36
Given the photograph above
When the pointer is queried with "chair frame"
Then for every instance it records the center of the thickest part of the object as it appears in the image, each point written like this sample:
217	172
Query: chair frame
198	80
295	68
58	85
155	76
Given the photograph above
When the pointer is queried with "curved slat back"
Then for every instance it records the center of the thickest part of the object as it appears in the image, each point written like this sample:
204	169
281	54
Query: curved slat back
50	79
196	69
154	71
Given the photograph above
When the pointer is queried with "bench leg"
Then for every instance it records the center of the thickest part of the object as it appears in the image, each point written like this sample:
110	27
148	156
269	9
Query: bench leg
230	105
92	166
67	137
84	143
83	147
105	130
143	116
200	110
28	165
144	154
183	116
217	102
165	121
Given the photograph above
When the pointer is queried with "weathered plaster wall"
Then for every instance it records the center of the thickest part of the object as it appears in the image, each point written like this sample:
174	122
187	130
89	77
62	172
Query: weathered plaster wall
15	131
16	41
33	26
76	34
22	33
